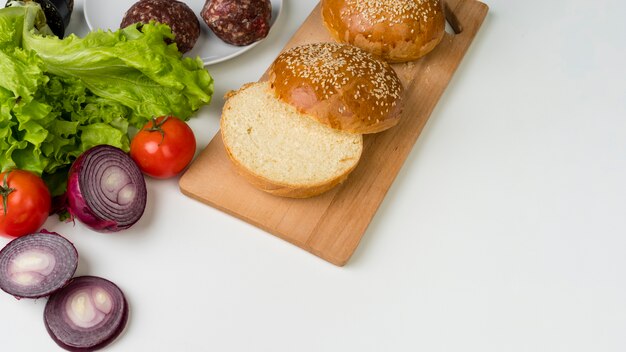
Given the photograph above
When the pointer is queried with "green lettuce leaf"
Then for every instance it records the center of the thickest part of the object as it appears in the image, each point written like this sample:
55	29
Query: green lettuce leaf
132	66
60	97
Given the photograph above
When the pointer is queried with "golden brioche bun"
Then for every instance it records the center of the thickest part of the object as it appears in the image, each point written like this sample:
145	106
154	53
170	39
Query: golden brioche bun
339	85
396	30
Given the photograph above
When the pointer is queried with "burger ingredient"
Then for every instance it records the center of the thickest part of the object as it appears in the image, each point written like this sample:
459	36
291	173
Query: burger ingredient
60	97
106	190
163	147
25	203
37	264
87	314
178	15
238	22
58	13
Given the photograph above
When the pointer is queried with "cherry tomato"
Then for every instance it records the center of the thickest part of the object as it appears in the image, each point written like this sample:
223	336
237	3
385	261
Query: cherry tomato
25	203
163	147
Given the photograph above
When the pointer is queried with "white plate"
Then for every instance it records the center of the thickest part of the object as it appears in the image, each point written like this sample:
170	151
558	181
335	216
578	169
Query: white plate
101	14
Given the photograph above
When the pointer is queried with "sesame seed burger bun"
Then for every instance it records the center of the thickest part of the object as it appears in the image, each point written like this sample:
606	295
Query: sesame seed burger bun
338	85
396	30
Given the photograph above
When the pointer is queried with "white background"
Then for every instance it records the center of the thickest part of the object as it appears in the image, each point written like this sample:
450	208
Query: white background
504	231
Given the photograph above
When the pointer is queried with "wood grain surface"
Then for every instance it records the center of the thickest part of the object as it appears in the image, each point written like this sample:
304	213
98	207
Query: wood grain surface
331	225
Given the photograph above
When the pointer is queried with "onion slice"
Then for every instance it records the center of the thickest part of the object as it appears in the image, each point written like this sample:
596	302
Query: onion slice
36	265
87	314
106	190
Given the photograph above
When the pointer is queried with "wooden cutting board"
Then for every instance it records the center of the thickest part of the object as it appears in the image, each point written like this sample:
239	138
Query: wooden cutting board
331	225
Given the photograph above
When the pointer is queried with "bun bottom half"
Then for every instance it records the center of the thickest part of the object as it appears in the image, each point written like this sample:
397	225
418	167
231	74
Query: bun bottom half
282	151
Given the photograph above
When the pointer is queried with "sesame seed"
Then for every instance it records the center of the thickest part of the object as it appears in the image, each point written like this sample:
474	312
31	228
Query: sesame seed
332	67
393	11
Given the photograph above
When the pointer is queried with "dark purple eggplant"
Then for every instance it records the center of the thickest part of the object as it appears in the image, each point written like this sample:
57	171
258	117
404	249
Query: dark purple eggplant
87	314
106	190
36	265
58	13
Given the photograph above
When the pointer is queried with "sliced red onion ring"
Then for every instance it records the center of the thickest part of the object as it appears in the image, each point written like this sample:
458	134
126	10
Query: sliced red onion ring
36	265
87	314
106	190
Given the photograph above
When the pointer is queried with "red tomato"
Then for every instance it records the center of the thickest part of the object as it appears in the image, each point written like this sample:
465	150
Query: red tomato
163	147
25	203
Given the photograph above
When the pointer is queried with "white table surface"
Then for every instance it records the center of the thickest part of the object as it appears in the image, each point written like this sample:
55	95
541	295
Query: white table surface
504	231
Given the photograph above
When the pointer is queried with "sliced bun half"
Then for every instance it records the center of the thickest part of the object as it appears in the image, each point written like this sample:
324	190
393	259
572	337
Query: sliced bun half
282	151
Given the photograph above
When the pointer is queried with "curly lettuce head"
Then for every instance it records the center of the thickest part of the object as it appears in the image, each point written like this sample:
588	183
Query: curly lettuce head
60	97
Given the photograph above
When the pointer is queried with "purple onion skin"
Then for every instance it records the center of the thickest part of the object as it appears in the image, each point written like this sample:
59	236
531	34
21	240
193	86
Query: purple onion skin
78	204
66	262
74	338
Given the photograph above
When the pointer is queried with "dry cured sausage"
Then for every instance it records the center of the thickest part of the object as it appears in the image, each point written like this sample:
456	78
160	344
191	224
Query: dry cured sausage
238	22
181	19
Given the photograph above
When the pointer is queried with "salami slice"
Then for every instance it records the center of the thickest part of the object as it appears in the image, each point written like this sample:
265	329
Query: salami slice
180	17
238	22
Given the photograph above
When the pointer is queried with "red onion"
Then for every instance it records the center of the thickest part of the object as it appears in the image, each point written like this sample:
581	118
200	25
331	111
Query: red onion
87	314
106	190
36	265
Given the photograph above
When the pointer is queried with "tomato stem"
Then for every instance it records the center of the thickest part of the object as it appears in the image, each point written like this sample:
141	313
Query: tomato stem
158	127
5	190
